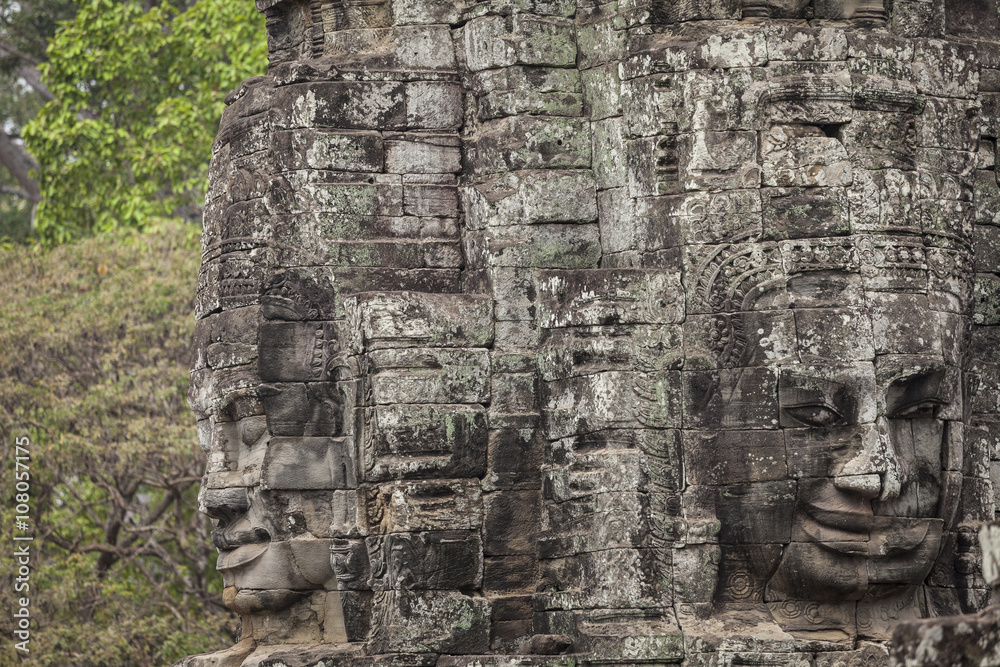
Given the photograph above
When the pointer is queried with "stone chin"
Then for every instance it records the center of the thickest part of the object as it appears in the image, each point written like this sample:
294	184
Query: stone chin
246	602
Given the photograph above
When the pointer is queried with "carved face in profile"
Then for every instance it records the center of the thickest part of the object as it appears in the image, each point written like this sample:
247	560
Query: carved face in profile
274	466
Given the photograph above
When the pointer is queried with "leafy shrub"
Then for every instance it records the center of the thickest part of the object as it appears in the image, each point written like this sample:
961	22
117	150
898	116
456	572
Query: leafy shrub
95	346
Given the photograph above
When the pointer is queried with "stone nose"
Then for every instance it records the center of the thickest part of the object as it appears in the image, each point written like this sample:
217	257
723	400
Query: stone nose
223	504
874	472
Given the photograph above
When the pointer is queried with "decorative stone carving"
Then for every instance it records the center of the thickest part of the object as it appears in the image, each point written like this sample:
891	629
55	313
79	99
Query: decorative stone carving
563	332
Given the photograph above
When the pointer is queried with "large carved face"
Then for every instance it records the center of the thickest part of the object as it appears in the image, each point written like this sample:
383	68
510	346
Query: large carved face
275	464
827	425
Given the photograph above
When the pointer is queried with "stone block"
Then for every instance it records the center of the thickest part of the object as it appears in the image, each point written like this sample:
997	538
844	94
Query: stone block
433	105
737	508
744	570
695	10
804	44
419	441
960	638
743	398
650	105
733	47
803	156
601	92
434	560
948	123
497	41
422	154
718	161
987	198
425	505
618	519
733	457
310	409
610	579
835	334
513	394
547	246
918	18
577	351
332	150
532	197
402	48
329	104
295	351
945	69
653	164
608	296
609	153
342	193
791	213
300	293
986	292
590	473
414	319
599	40
531	142
510	522
407	12
523	90
428	375
308	463
714	103
509	574
880	140
513	458
696	572
449	622
611	399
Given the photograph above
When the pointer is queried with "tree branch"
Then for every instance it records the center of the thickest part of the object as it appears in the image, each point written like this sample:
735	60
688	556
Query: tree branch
6	190
26	67
19	163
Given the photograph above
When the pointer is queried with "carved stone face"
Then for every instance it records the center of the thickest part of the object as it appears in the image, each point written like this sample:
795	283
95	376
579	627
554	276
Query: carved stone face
652	320
272	475
827	430
867	441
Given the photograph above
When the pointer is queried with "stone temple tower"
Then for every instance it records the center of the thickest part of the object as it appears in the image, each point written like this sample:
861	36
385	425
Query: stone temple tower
569	332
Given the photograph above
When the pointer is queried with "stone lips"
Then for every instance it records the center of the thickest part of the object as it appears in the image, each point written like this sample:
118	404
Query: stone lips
637	332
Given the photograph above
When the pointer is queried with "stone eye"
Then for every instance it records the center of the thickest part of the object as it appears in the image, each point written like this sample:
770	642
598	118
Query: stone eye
814	414
927	409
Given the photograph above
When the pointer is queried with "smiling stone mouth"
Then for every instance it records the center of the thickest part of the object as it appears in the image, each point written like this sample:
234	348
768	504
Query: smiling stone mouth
234	537
863	534
231	559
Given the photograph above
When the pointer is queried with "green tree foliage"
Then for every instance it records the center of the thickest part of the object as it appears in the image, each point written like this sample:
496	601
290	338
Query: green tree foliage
138	96
95	346
25	28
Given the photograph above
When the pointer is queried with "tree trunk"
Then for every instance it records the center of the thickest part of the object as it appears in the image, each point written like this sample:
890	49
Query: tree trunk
19	163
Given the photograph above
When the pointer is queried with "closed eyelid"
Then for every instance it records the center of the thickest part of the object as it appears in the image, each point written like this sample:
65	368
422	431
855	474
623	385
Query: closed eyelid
930	402
813	413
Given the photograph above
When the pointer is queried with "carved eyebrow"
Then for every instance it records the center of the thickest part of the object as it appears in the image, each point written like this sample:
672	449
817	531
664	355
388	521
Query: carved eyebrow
802	389
914	388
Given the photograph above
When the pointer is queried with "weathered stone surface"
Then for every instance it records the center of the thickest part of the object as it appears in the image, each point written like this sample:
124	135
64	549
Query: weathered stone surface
411	319
625	333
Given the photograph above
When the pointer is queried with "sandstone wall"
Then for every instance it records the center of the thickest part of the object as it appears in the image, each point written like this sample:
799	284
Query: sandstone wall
637	332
